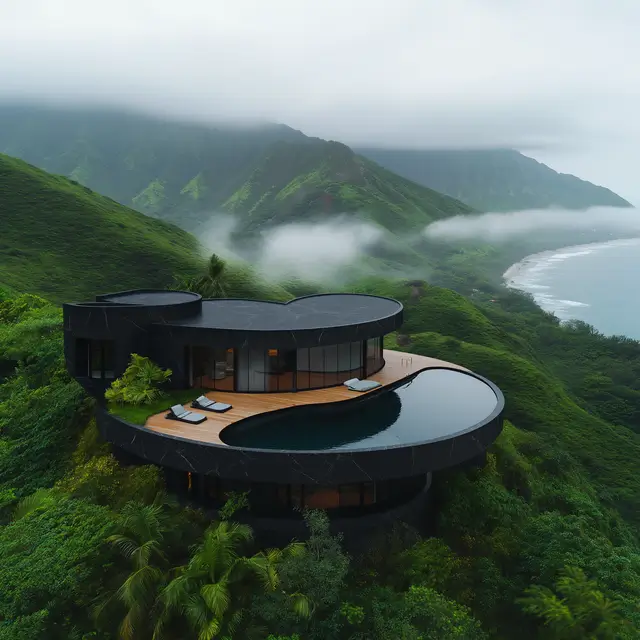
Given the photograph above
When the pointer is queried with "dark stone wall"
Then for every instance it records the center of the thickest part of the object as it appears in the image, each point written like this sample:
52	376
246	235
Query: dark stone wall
299	467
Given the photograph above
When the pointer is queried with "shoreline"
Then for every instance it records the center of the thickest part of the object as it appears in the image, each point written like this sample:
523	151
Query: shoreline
515	272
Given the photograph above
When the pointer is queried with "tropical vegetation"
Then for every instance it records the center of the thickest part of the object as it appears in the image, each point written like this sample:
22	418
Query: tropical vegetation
540	543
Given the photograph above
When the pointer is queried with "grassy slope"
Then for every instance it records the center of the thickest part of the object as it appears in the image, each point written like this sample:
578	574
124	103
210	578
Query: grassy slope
182	172
297	181
494	179
63	241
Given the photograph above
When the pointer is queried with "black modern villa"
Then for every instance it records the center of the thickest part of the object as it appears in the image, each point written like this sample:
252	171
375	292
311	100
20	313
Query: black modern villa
294	435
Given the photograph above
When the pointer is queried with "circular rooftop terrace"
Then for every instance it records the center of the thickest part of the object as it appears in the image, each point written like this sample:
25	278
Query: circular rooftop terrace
150	298
310	312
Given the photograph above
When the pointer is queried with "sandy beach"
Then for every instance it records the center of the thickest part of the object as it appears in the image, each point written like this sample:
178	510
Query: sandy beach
517	272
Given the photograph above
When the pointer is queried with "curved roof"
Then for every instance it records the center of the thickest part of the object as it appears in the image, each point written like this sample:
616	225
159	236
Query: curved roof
324	311
150	297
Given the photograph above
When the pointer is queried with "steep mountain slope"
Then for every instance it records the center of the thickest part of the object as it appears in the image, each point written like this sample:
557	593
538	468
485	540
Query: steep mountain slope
301	181
494	179
140	161
61	240
184	172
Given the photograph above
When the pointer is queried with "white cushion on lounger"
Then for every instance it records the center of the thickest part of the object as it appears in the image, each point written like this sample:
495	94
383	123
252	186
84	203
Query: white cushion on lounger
204	401
220	406
363	385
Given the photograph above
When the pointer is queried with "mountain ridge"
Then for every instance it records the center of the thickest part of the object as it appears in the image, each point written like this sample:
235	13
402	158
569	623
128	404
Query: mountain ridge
500	180
183	171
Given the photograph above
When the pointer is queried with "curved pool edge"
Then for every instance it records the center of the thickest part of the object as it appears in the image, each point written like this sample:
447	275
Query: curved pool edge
499	408
304	466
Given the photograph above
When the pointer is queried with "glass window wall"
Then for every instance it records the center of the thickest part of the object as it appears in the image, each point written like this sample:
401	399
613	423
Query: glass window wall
212	368
374	360
95	359
252	370
328	366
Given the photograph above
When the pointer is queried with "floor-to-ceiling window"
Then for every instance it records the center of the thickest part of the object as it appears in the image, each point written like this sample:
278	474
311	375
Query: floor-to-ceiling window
95	359
256	370
319	367
212	368
265	370
374	358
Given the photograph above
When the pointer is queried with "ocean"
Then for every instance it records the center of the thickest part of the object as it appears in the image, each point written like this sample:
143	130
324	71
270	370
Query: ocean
596	283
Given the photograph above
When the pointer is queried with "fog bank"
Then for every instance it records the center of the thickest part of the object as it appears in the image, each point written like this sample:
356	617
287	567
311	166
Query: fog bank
319	252
501	227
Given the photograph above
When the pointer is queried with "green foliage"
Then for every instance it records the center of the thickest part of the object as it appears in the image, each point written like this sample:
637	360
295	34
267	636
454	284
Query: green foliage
53	564
109	248
211	283
139	384
141	532
138	414
213	592
580	611
103	481
235	502
151	200
300	181
318	574
420	613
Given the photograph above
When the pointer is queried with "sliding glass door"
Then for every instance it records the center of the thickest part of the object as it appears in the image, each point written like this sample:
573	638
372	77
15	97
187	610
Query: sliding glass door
213	368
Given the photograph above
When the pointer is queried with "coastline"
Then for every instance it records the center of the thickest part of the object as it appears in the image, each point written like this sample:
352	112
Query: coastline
515	272
531	275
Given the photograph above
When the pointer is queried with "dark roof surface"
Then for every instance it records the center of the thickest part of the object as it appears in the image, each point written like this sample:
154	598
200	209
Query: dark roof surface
312	312
151	298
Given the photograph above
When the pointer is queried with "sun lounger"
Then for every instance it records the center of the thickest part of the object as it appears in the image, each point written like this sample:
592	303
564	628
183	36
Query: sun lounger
355	384
178	412
210	405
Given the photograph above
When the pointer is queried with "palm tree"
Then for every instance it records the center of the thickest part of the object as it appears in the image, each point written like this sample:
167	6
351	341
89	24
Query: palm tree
142	530
578	609
214	590
210	284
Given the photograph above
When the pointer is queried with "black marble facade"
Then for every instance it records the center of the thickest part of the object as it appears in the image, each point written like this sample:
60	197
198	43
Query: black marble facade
162	324
303	467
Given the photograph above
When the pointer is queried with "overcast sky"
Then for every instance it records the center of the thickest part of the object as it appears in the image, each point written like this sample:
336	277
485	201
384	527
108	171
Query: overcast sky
556	78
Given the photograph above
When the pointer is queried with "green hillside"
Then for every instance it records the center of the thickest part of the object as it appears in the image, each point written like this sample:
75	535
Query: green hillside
494	179
299	182
62	241
163	168
183	173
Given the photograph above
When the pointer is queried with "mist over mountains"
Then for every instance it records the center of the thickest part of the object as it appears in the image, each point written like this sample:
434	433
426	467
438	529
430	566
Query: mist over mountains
272	174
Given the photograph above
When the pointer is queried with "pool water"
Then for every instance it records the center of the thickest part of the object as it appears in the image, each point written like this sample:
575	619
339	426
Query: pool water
434	404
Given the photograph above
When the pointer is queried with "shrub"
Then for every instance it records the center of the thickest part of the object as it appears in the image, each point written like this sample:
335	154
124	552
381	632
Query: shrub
139	384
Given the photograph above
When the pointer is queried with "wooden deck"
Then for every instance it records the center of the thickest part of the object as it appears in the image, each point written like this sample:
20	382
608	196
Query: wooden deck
398	365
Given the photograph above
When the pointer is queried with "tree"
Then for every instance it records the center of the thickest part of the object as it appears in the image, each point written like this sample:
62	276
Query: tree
319	574
210	284
580	610
214	590
142	530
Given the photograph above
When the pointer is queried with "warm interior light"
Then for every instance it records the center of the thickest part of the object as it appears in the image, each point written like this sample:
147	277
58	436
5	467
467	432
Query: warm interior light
189	480
273	352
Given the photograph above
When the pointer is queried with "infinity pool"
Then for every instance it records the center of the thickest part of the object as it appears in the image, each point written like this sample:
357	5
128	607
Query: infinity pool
434	404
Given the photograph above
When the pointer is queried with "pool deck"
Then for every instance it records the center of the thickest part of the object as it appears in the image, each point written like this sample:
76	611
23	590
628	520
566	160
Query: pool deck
398	365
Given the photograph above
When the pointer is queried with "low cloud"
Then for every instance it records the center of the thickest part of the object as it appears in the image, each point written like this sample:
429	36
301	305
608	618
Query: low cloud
319	252
501	227
315	252
217	233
